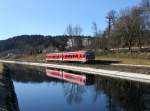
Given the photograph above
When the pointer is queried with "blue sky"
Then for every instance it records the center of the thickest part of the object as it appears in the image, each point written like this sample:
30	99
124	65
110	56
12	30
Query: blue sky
50	17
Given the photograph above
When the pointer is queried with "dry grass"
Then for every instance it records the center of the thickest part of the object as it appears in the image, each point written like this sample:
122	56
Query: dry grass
127	58
37	57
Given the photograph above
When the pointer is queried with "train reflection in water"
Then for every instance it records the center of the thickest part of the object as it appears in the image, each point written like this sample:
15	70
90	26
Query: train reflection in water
69	76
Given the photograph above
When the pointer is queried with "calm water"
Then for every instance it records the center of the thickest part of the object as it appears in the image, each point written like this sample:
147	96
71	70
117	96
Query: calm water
42	89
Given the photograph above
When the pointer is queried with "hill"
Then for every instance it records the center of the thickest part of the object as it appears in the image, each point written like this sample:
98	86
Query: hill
30	44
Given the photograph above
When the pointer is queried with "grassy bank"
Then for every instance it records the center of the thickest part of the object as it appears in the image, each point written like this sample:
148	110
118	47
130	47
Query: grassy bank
126	58
35	57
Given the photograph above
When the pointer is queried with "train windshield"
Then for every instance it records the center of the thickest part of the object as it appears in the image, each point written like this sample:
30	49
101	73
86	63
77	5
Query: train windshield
90	55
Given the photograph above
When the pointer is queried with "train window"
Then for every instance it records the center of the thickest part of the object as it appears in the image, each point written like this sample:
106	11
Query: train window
75	56
70	56
83	55
66	56
90	56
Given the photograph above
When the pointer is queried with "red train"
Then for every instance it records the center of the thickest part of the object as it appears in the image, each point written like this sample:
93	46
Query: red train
82	56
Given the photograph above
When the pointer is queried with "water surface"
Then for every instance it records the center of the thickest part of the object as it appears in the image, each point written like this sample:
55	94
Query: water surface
43	89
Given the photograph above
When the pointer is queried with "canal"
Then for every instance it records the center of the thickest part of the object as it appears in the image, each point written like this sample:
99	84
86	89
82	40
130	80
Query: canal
44	89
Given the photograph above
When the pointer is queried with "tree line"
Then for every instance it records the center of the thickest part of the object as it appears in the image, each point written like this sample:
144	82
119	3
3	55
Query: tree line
130	27
127	28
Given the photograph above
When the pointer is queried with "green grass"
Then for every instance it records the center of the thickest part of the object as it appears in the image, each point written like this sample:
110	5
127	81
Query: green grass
126	58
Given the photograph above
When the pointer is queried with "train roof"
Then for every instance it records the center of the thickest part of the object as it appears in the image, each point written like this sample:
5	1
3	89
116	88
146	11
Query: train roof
71	52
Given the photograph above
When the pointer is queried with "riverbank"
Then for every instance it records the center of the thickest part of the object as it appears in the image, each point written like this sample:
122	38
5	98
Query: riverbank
113	67
8	99
92	71
135	62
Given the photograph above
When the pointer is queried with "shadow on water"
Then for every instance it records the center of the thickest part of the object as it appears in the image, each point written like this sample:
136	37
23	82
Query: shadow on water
103	62
119	95
93	62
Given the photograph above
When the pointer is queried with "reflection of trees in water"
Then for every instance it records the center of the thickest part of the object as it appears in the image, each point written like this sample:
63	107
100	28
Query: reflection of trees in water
123	95
24	74
73	92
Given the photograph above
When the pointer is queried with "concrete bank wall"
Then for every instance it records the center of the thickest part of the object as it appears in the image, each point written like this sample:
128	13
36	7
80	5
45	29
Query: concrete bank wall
8	99
116	74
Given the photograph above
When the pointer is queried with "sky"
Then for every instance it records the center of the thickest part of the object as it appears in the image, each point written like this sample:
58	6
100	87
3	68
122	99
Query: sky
51	17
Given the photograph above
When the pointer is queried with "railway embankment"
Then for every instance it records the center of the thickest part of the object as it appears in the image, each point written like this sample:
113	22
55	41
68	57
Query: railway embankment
8	99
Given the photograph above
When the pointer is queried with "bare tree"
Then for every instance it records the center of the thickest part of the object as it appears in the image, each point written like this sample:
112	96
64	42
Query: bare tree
77	30
136	13
111	17
69	30
75	41
74	30
95	29
145	3
130	27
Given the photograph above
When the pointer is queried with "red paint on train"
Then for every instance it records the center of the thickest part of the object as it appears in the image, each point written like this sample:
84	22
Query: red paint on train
83	56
